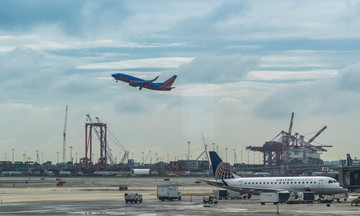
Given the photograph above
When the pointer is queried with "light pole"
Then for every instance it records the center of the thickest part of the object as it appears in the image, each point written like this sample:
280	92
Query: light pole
213	146
13	155
57	154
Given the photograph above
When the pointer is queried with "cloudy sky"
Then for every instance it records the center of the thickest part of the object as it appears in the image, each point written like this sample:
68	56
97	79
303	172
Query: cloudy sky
242	66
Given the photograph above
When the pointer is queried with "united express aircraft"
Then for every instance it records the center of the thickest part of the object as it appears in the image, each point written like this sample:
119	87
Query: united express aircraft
321	185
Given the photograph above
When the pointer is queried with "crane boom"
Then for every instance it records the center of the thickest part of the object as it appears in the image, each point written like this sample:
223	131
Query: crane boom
317	134
291	123
64	134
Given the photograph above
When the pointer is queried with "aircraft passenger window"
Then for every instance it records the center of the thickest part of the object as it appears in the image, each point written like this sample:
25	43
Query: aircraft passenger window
288	182
291	182
303	182
307	182
264	182
268	183
314	182
260	183
310	182
256	182
284	183
271	183
275	182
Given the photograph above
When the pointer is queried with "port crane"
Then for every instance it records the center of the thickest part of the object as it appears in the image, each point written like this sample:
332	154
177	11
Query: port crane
277	151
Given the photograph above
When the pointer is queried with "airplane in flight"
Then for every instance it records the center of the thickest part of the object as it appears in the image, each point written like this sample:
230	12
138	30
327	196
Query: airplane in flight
321	185
149	84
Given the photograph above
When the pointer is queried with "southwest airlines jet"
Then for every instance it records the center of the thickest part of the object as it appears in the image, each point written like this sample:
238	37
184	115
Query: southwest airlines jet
321	185
137	82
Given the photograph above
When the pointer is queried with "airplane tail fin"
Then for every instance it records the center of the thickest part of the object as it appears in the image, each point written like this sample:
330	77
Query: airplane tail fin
221	170
168	83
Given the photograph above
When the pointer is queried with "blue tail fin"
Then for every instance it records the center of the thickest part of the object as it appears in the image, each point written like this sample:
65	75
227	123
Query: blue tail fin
221	170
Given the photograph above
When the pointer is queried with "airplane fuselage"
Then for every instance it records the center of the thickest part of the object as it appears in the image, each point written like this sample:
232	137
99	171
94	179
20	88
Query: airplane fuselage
321	185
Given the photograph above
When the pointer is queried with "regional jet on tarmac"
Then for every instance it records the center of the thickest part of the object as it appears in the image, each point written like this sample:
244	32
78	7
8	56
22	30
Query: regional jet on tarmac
137	82
321	185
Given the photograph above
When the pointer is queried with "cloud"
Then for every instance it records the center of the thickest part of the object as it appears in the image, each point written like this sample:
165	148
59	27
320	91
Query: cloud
217	69
349	78
339	94
166	62
80	17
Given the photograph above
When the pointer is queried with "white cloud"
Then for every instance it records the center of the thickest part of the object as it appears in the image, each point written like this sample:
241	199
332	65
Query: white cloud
166	62
217	69
338	94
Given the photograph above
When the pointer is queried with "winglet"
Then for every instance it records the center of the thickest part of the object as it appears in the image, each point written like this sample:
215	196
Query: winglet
154	79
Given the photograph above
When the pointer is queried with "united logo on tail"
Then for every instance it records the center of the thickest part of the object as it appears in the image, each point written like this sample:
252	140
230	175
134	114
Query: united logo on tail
221	169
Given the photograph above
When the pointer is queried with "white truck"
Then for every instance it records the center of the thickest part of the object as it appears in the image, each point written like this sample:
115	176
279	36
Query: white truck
269	198
133	197
168	192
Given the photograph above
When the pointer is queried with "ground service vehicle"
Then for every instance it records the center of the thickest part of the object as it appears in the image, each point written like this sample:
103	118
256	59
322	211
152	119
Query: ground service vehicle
269	198
209	199
168	192
133	197
221	194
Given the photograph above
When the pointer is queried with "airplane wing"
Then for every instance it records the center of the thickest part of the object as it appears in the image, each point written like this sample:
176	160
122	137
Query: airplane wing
142	83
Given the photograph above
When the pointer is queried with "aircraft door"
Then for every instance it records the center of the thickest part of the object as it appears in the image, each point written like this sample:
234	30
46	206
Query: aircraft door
240	183
321	183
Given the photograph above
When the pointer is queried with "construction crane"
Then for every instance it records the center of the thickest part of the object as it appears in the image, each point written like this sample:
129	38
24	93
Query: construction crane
147	157
64	134
205	150
235	157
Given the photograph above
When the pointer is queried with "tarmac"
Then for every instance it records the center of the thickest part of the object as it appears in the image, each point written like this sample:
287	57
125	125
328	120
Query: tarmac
101	196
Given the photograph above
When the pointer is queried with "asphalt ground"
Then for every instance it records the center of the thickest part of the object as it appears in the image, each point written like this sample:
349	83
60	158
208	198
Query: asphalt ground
101	196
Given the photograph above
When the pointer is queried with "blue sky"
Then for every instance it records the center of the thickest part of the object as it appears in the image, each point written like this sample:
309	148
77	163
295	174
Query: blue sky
242	66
